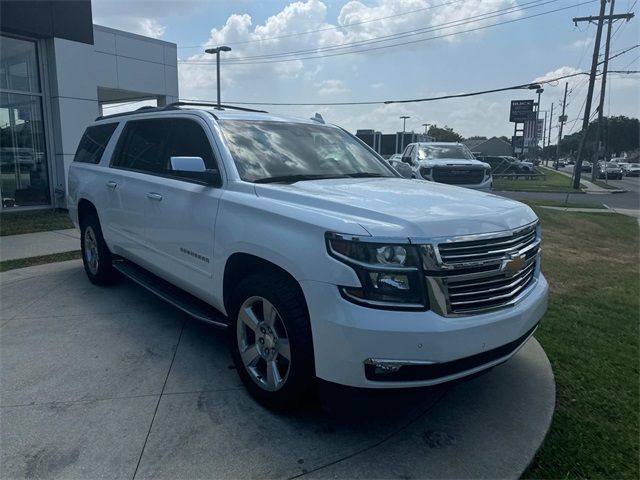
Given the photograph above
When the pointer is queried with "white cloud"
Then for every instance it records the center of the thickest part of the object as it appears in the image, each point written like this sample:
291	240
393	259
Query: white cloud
350	77
330	87
578	44
144	17
150	28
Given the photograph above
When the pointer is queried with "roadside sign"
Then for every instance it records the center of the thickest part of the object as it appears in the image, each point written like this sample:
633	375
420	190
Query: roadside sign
563	118
540	132
517	141
520	110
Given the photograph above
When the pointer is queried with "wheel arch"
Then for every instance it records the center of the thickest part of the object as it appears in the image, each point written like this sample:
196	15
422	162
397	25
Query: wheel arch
240	265
86	207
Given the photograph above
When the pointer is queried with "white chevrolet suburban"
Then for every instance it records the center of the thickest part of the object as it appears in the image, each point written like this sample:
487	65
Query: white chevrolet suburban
315	255
447	162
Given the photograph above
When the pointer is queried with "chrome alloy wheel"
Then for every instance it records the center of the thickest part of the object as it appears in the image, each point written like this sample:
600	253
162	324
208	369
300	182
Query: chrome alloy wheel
263	343
91	250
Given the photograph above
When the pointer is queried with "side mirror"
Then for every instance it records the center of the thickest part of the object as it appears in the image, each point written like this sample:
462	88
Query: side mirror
403	169
193	168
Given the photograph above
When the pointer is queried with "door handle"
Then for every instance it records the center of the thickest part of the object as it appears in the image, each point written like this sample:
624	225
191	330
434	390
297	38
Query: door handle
111	185
154	196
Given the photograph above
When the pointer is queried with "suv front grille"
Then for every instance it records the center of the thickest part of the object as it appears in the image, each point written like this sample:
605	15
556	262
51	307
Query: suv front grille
489	249
489	292
482	272
458	175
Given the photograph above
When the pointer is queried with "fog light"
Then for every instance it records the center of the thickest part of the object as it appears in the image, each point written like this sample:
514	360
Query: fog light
389	281
383	366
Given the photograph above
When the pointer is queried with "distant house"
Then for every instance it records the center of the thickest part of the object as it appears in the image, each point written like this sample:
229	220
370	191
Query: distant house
494	147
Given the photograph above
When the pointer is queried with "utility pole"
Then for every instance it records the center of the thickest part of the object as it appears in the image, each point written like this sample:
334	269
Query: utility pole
404	128
550	124
592	81
603	88
562	120
592	77
544	131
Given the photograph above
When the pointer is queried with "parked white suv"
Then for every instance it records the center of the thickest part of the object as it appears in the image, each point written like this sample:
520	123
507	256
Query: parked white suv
316	256
447	162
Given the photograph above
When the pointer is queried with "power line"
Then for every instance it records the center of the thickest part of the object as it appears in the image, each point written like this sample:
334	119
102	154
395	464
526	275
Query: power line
384	38
240	62
337	27
407	33
620	54
524	86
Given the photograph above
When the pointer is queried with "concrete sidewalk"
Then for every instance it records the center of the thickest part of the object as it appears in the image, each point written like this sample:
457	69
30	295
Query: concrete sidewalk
622	211
14	247
589	187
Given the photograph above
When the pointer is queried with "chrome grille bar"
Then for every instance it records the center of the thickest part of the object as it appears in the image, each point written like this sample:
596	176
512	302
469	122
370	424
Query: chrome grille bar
460	282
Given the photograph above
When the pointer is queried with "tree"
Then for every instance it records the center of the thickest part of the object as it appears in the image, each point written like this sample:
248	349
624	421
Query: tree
445	134
619	134
477	137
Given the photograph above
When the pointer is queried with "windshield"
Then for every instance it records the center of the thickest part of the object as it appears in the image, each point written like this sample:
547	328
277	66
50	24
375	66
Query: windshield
434	152
266	151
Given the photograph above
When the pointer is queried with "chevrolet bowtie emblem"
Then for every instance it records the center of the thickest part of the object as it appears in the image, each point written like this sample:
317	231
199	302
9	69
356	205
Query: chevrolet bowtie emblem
513	265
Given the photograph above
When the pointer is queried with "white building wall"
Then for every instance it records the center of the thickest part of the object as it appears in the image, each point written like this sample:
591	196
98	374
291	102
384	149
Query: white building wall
120	66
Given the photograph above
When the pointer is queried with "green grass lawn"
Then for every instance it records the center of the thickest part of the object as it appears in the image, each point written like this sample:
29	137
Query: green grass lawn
32	261
590	334
14	223
551	203
608	186
553	182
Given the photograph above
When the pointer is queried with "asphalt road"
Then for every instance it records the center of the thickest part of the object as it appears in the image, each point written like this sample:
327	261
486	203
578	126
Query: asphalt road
629	199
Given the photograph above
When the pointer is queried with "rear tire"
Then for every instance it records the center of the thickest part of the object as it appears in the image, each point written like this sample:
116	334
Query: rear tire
96	256
270	340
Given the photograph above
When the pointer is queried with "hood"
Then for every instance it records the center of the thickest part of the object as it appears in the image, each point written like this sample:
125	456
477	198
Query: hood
399	207
451	161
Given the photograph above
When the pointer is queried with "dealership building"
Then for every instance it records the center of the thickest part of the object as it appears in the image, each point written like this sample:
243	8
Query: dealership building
58	72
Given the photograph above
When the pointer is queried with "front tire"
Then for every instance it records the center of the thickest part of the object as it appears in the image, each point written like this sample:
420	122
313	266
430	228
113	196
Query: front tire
96	256
270	340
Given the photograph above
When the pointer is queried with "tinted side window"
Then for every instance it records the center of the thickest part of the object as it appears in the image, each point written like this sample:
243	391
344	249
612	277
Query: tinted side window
142	144
408	151
188	139
93	143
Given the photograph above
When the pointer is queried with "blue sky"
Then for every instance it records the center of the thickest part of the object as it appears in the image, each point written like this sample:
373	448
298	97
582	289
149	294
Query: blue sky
518	52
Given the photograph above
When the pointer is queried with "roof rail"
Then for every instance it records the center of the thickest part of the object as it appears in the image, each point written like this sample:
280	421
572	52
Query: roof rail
175	105
130	112
215	105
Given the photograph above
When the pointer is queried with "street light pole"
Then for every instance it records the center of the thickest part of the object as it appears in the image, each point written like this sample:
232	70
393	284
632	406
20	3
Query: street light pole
535	131
217	51
404	128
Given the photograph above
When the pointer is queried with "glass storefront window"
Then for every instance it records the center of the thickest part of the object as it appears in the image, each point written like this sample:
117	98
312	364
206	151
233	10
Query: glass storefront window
18	65
24	176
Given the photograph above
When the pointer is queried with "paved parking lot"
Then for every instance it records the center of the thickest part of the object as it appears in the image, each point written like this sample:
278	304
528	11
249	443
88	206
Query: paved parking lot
114	383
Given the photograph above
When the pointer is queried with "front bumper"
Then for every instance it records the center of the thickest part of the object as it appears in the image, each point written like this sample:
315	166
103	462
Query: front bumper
348	339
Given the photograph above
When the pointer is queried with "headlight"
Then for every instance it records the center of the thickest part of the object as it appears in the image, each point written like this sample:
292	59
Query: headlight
487	172
390	274
425	172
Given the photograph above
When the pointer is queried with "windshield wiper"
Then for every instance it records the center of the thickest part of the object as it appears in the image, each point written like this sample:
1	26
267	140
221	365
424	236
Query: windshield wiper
295	178
365	175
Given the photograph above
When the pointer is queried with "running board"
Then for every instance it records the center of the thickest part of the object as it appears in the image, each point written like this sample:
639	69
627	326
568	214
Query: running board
170	293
